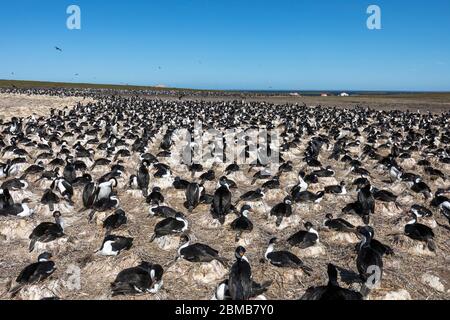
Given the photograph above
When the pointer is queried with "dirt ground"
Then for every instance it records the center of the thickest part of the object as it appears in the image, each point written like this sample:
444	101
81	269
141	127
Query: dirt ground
412	273
13	105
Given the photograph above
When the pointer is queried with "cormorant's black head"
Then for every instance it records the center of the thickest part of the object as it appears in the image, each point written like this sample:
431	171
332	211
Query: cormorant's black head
156	189
56	214
240	252
342	183
308	225
223	181
364	231
246	207
273	240
179	215
120	212
87	176
156	272
332	273
288	200
44	256
184	238
370	230
329	216
360	182
145	265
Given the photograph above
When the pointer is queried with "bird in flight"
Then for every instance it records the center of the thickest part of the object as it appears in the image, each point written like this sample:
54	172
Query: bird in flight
58	49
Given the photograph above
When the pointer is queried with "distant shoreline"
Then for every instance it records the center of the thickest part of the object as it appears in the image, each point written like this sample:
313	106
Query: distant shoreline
4	83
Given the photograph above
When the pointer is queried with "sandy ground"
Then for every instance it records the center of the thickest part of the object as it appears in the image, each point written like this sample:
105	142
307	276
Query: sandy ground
25	105
413	272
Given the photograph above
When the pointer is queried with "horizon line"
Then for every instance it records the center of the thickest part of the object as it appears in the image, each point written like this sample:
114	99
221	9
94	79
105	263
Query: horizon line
163	87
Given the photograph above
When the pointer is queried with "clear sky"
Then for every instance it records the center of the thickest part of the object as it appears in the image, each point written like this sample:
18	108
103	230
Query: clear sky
232	44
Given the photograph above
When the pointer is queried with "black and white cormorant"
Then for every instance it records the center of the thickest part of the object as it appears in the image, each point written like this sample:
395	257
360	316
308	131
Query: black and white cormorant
162	211
197	252
308	196
35	272
113	244
420	232
180	184
155	197
221	205
20	210
376	245
336	189
366	202
115	221
170	226
282	210
143	177
338	224
89	195
253	195
284	259
47	231
304	238
50	198
240	283
332	291
193	193
242	223
369	262
145	278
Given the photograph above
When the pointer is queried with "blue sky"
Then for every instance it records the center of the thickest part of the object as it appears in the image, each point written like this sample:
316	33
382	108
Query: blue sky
233	44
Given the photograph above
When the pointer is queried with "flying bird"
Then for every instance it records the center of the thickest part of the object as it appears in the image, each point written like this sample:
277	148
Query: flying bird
58	49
